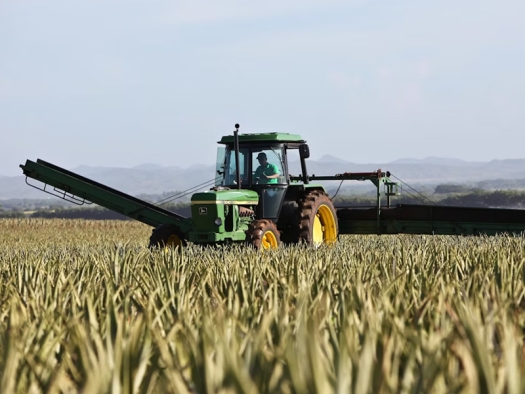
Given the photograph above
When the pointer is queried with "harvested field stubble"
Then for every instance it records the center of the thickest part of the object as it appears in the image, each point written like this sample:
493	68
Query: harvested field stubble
85	306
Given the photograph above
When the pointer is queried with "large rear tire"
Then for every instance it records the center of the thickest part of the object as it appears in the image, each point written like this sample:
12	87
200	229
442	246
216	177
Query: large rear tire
318	219
263	234
167	236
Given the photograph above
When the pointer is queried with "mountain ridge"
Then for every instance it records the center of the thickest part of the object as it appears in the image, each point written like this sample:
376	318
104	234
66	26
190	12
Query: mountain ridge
150	178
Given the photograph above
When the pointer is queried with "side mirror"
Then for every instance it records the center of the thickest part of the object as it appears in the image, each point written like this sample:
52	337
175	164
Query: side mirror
304	151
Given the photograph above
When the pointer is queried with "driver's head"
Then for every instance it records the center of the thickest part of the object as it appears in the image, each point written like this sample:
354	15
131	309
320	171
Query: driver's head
262	158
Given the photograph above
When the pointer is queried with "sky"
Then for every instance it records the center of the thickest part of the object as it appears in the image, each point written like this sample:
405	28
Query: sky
119	83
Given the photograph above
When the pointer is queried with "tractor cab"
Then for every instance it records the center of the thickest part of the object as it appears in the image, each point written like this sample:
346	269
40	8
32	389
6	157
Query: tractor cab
262	165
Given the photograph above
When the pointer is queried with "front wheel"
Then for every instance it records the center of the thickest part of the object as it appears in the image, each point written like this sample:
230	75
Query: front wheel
167	236
263	234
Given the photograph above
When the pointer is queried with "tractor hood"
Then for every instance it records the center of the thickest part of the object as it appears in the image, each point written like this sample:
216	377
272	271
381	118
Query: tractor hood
228	197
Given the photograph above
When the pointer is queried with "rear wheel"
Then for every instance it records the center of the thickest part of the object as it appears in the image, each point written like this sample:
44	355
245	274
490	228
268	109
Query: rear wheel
263	234
167	236
318	219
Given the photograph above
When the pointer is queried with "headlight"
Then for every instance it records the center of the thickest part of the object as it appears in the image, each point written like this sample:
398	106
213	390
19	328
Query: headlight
218	221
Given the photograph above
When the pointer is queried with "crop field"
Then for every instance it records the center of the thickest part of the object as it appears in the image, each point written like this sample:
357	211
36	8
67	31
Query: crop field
86	307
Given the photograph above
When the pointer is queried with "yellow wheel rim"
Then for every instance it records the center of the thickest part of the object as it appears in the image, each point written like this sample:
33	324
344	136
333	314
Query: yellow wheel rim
317	233
269	240
324	226
173	241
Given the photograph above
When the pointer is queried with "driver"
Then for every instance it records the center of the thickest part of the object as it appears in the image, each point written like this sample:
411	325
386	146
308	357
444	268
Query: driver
266	172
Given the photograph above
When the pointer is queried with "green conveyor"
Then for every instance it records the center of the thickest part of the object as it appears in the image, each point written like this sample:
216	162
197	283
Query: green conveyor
74	188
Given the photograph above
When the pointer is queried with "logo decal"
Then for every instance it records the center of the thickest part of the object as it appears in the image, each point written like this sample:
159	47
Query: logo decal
203	211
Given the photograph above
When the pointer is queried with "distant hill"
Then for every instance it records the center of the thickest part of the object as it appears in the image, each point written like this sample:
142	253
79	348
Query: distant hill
147	167
154	179
435	160
331	159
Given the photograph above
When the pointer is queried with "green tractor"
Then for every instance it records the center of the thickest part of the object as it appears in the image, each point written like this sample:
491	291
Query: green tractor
256	200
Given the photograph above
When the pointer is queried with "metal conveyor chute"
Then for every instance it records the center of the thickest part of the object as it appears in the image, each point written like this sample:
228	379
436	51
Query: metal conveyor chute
77	189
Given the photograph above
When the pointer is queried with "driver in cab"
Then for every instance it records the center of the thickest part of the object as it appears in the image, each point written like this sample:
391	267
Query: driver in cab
266	172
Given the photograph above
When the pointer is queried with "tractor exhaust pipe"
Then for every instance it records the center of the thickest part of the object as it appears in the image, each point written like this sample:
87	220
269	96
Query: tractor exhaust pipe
236	147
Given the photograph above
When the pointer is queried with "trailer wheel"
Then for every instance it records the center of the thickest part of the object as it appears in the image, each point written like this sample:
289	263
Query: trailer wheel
318	219
263	234
167	235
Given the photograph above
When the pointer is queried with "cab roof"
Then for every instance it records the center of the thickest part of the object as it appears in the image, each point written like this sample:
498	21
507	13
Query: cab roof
263	137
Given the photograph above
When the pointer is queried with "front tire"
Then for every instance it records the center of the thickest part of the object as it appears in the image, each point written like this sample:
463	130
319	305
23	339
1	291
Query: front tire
167	236
318	219
263	234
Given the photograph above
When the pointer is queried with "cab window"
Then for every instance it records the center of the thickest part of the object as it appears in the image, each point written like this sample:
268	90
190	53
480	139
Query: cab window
230	176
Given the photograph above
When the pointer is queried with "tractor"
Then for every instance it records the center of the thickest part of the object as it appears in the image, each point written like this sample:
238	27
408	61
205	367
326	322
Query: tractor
247	206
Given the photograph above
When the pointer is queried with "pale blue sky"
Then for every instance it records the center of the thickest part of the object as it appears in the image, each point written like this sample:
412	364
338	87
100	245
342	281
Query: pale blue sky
120	83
